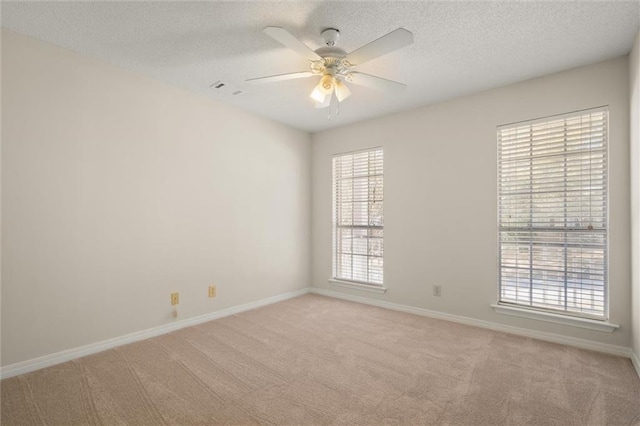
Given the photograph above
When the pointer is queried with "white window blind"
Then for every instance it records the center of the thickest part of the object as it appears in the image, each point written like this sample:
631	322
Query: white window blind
552	213
358	223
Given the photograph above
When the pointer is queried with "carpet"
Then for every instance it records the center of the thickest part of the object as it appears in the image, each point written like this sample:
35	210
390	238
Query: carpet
315	360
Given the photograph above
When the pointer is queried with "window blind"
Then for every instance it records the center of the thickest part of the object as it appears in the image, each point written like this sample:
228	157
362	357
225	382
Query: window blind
358	220
552	213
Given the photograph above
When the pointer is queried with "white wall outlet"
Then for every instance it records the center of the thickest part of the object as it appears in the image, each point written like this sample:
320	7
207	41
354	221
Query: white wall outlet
437	290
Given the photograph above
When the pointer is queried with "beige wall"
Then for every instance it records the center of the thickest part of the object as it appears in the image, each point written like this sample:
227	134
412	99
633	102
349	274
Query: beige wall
634	79
118	190
440	194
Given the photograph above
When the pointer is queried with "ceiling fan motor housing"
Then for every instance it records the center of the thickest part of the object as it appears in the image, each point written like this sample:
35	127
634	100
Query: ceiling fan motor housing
332	61
331	52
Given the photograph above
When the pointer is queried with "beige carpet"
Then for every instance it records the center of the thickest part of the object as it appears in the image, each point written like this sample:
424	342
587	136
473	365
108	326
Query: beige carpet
316	360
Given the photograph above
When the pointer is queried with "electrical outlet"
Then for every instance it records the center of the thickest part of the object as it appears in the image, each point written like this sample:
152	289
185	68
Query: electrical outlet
175	298
437	290
212	291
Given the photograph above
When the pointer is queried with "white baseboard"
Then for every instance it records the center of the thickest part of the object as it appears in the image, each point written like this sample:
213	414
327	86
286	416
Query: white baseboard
70	354
635	360
540	335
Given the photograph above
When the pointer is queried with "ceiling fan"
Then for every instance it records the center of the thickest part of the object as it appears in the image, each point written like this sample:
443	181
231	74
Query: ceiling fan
335	66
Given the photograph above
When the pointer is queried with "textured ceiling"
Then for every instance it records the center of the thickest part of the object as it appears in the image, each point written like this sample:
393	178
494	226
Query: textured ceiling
460	47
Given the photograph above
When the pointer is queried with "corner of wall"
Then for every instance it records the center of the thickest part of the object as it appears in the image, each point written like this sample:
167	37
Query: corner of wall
139	195
635	360
634	140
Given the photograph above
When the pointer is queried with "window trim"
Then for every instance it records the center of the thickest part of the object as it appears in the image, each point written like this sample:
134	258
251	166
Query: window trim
576	319
553	317
358	285
339	281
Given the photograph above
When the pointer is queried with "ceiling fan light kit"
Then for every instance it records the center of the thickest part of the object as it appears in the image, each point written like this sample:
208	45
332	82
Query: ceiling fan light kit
335	66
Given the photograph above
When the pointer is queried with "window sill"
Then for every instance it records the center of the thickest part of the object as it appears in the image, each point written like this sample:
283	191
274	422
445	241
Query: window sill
359	286
556	318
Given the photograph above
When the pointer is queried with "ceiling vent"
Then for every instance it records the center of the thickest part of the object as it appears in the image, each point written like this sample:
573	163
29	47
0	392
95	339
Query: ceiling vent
226	88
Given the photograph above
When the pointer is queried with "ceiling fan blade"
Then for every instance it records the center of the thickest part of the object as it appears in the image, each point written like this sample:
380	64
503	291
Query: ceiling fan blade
385	44
280	77
287	39
374	82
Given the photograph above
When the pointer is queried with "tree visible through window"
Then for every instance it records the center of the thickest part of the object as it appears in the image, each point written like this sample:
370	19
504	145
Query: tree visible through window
552	208
358	220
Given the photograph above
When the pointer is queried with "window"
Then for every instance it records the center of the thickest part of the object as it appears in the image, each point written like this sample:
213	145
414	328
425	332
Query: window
552	213
358	223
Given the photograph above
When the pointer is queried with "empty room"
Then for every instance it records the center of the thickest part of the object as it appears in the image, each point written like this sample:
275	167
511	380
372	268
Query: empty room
320	212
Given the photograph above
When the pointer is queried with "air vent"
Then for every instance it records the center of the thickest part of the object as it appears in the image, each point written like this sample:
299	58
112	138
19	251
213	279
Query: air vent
226	88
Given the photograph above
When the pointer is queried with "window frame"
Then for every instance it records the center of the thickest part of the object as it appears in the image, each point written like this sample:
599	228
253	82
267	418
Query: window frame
566	316
336	278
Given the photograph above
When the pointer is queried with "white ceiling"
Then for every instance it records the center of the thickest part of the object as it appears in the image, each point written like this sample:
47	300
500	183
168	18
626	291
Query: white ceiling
460	47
